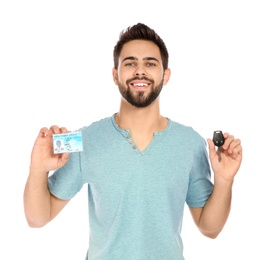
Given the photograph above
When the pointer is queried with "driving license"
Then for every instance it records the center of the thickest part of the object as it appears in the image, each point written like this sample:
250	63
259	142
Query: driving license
67	142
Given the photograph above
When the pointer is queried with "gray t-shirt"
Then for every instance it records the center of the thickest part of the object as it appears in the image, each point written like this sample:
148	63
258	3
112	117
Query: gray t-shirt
136	198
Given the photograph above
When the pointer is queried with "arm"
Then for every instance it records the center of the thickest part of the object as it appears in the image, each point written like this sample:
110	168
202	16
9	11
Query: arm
40	206
212	217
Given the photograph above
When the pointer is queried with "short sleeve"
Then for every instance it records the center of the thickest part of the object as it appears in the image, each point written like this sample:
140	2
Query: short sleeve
65	182
200	184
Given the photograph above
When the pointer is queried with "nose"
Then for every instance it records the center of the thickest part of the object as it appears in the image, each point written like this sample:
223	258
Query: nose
140	71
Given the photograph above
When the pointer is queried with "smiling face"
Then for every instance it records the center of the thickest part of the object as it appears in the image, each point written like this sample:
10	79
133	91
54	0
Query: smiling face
140	75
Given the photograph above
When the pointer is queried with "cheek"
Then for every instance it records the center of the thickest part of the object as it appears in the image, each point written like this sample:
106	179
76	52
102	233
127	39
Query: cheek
121	77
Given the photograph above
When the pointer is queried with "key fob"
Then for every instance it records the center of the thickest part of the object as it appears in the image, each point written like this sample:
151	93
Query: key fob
218	138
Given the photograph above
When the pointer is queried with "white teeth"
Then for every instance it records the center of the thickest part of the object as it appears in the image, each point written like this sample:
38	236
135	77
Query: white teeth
140	84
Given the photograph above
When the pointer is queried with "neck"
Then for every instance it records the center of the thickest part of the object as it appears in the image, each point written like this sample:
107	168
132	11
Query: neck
141	120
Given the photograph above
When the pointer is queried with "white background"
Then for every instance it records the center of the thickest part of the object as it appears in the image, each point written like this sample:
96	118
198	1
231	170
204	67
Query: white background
55	68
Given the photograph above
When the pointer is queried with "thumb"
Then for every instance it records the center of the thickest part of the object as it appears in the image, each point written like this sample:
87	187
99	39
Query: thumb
211	148
63	160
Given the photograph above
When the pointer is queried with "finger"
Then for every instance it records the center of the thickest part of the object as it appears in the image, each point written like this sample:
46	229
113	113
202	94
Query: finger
65	157
211	147
63	160
228	140
225	135
43	132
63	130
55	129
235	143
237	152
236	149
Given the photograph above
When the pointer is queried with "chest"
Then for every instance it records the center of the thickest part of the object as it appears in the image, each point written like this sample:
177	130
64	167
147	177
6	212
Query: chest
122	171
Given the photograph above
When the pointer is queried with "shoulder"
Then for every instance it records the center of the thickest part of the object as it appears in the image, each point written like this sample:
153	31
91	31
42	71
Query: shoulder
99	132
98	125
186	132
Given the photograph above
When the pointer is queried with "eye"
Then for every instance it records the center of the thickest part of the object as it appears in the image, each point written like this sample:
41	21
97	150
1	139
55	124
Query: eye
129	64
151	64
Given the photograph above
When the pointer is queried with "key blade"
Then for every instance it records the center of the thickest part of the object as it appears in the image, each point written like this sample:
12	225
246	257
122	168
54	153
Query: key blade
219	153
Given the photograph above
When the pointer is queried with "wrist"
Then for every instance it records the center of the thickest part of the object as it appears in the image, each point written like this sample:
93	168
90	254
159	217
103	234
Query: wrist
37	171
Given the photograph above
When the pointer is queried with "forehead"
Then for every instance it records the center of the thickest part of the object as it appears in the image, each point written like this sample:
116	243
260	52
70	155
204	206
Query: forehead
140	49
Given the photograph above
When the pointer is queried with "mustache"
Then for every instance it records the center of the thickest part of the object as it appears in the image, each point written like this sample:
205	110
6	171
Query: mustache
140	78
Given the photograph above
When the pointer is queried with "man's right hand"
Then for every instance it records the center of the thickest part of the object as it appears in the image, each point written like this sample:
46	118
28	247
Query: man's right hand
43	158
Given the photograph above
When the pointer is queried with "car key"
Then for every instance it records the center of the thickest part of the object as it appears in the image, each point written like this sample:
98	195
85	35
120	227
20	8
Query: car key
218	140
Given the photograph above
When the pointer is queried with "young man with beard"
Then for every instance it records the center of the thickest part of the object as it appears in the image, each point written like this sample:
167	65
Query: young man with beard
141	168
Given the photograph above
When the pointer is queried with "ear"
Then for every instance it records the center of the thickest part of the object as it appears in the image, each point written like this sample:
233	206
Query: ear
167	74
115	76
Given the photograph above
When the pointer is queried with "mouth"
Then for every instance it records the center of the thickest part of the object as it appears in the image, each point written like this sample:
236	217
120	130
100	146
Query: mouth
140	85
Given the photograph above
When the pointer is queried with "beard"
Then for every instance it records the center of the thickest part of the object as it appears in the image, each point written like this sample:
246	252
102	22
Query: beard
140	99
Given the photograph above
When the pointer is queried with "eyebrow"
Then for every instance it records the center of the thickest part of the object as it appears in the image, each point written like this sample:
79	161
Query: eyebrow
135	58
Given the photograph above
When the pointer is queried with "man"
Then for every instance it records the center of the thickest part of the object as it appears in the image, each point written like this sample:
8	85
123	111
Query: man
140	167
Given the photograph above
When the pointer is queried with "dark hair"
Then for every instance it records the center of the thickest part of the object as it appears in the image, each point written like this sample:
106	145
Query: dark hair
140	32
